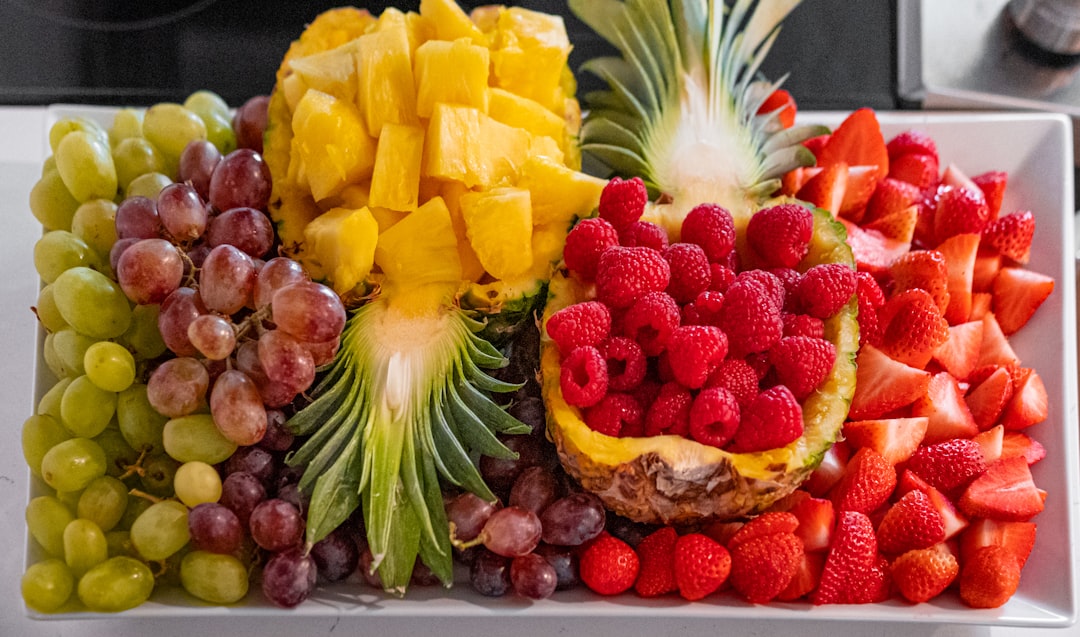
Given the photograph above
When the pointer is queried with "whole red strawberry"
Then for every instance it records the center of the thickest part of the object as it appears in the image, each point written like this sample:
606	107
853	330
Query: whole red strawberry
623	275
701	565
584	244
851	564
922	574
763	566
608	565
989	577
656	553
780	235
911	523
622	201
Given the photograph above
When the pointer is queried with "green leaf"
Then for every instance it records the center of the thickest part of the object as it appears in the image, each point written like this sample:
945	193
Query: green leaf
451	458
336	494
393	560
473	432
488	412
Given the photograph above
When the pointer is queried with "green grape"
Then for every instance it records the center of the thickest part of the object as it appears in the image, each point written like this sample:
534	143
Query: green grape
119	455
109	366
117	584
103	502
204	102
136	156
196	437
85	408
119	543
159	473
214	577
95	223
71	347
65	125
52	359
46	518
84	546
58	251
220	133
147	185
143	336
51	202
72	464
49	165
135	507
40	433
197	482
92	303
126	123
140	424
85	164
47	585
69	498
161	530
50	402
47	312
170	127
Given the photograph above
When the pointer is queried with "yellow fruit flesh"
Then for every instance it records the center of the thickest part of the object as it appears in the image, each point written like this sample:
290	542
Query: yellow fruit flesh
395	180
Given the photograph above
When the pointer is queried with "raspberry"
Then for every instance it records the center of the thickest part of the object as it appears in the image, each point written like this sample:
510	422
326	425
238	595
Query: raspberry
615	414
586	323
720	276
788	276
773	419
622	201
643	234
780	235
750	319
690	271
738	377
703	310
583	378
803	325
870	299
650	321
802	362
584	244
669	412
714	417
694	351
825	288
711	227
624	275
626	364
772	283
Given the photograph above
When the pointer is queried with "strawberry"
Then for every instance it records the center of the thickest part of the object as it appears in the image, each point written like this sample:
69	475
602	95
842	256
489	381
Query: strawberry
623	201
959	251
992	184
890	197
990	443
815	144
701	565
918	169
1029	404
873	251
780	235
763	566
1015	443
806	577
871	298
924	269
922	574
1017	294
608	565
765	524
867	483
829	471
980	305
987	266
895	439
1017	537
850	563
772	419
944	406
988	399
911	523
959	354
816	517
782	104
955	522
960	211
883	384
827	188
802	363
912	327
656	554
909	142
954	177
722	530
990	577
995	348
898	226
857	141
1005	492
861	183
948	466
793	180
1011	235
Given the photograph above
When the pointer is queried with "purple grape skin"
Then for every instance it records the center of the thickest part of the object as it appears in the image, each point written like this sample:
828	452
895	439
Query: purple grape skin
489	574
215	528
535	489
242	492
573	520
336	555
276	525
289	578
533	577
512	531
565	562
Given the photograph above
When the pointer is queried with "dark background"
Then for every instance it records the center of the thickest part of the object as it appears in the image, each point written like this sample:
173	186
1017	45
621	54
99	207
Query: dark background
840	54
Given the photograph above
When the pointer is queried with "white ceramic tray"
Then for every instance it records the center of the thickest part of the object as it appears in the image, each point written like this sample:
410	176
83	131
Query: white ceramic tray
1036	151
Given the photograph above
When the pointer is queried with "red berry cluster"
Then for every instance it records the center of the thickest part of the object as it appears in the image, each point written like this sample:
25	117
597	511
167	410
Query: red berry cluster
680	340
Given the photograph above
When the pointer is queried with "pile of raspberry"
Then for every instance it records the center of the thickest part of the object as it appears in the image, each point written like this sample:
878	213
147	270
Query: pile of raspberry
679	340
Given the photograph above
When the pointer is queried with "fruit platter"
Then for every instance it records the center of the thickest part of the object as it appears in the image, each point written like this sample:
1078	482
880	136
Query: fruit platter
424	332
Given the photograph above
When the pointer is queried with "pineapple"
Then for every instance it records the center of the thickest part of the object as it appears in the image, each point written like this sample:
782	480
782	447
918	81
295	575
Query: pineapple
681	112
395	182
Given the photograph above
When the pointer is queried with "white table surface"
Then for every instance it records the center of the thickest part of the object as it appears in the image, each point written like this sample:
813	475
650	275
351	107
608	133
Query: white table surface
22	149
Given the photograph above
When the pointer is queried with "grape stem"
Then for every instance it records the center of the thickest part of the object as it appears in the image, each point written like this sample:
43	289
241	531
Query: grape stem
136	468
461	545
146	496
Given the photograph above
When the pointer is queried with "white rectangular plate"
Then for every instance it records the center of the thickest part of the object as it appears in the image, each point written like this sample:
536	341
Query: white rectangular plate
1036	151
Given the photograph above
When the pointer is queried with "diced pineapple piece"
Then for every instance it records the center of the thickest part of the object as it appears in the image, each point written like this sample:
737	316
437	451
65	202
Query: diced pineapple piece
451	22
332	71
420	249
546	146
471	268
293	87
558	193
465	145
529	54
548	241
340	247
522	112
386	218
386	92
453	72
395	182
418	28
330	145
353	196
486	17
498	223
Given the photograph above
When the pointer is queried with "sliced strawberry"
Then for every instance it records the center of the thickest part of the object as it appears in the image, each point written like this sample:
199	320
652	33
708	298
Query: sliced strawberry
953	177
763	566
806	578
948	466
891	196
955	522
1011	235
861	183
960	353
815	144
989	577
1005	492
764	524
883	384
857	141
980	305
912	327
1018	293
1016	443
898	226
918	169
992	184
851	562
944	406
781	102
924	269
960	211
1029	404
922	574
960	251
794	179
987	266
911	141
911	523
826	189
894	438
988	399
1016	537
991	443
656	555
995	348
868	482
873	251
817	517
829	470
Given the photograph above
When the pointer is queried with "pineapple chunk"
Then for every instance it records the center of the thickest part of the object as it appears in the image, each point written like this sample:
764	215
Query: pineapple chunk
558	193
486	17
466	145
451	22
499	223
522	112
418	28
332	71
293	88
386	217
530	52
548	241
330	145
453	72
420	249
395	182
340	247
386	93
546	147
471	268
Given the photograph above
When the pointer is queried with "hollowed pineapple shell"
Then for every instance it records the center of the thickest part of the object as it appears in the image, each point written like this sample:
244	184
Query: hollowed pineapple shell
674	480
